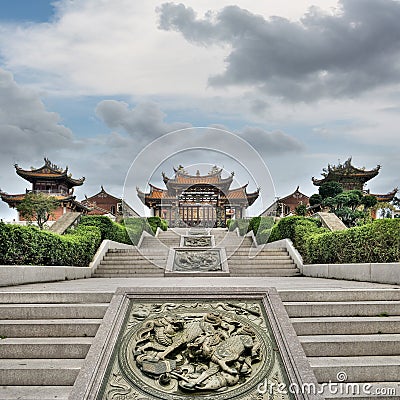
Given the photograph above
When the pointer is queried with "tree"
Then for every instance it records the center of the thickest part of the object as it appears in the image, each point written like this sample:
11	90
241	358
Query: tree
301	210
330	189
369	201
38	207
315	199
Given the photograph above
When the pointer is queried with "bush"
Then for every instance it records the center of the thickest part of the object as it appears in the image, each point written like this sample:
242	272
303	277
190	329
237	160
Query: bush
242	224
135	227
157	222
28	245
261	227
378	242
298	230
109	230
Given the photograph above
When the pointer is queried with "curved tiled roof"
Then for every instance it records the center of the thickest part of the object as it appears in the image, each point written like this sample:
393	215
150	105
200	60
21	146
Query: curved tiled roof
48	171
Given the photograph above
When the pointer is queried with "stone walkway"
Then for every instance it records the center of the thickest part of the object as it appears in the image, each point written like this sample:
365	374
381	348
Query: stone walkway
280	283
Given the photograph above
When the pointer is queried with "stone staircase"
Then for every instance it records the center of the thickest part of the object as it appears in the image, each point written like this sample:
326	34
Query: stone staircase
65	222
244	259
352	331
150	259
169	238
331	221
44	339
149	262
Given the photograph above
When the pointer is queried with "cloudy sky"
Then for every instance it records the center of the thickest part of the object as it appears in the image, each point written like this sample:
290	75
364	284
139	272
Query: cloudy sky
91	83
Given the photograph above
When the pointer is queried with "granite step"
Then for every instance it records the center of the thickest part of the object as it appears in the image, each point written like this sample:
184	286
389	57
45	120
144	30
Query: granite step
340	295
357	369
351	345
39	372
35	392
346	325
52	311
345	309
49	328
33	347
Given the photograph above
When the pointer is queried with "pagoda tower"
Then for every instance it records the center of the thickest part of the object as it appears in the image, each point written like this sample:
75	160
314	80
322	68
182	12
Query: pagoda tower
347	175
198	200
53	181
351	178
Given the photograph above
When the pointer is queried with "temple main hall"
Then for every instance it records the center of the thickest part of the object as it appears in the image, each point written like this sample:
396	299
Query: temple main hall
198	200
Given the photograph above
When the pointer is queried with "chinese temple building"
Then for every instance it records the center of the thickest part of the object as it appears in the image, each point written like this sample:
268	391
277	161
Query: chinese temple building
51	180
198	200
104	203
351	178
347	175
285	206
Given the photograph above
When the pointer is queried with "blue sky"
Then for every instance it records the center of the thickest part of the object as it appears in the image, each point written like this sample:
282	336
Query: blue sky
26	10
90	83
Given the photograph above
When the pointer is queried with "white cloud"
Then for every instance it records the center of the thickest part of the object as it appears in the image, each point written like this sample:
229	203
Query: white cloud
108	47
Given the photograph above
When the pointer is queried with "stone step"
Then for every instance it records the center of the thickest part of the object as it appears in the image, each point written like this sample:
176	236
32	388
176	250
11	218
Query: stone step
32	347
136	257
335	309
245	266
129	265
49	372
346	325
125	275
340	295
35	392
272	272
254	253
133	271
357	369
135	263
52	311
55	297
351	345
257	262
49	328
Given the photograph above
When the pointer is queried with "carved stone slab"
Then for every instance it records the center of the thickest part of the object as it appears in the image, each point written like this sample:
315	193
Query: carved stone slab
197	261
184	344
197	241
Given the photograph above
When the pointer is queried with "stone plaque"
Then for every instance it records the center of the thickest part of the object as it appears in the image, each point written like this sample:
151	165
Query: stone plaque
191	346
197	261
197	241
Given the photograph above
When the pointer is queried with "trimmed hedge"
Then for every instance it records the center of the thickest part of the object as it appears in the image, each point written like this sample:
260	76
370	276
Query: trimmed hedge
135	227
298	230
109	230
261	227
242	224
28	245
377	242
157	222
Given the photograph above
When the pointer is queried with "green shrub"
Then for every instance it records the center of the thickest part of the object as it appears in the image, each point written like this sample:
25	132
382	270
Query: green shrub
377	242
242	224
135	227
297	229
228	223
261	227
28	245
157	222
109	230
285	228
260	223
